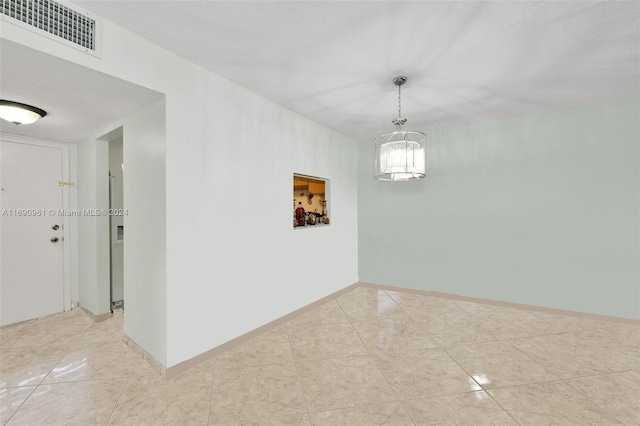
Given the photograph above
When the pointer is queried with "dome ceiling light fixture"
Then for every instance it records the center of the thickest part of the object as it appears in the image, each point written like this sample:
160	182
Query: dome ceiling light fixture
18	113
400	155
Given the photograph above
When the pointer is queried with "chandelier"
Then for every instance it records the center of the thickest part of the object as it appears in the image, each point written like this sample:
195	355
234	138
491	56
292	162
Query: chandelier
400	155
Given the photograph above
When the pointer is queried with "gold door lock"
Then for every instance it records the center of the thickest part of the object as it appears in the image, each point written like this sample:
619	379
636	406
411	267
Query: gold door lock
54	239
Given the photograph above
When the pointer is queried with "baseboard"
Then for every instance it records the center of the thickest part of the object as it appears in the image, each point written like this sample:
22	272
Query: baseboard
94	317
513	305
154	363
180	368
212	353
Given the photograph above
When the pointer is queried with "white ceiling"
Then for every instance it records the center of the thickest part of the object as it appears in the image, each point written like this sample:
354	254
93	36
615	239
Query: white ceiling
78	101
333	61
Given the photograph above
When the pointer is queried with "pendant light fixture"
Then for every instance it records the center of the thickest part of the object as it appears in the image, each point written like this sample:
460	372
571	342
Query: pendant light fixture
18	113
400	155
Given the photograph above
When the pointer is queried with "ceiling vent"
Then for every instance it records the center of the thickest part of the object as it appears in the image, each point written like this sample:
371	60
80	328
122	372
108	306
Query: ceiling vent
65	23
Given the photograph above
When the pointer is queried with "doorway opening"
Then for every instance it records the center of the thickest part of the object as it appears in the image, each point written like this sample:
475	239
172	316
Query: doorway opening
117	214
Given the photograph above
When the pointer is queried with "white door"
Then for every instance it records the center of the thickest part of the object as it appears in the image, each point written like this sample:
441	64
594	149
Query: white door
31	252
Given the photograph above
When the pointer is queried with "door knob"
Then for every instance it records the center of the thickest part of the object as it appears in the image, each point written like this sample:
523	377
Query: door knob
54	239
55	227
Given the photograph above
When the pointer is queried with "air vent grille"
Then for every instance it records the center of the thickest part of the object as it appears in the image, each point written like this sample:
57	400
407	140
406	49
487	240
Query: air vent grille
55	19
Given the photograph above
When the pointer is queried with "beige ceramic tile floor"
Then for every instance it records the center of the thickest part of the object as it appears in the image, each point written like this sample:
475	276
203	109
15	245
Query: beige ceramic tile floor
368	357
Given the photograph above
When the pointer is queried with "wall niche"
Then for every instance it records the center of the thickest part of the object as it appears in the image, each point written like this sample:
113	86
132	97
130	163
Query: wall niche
310	201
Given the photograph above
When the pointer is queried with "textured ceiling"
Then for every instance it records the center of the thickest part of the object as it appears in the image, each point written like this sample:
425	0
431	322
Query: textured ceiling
78	101
333	61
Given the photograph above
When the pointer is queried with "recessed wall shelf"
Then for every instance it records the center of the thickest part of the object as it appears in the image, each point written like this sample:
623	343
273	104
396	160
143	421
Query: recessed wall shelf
310	201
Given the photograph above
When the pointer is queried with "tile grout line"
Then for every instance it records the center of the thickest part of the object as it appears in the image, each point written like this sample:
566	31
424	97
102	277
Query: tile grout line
566	382
563	381
97	379
126	382
600	374
493	329
14	334
295	327
442	346
295	364
467	373
20	406
39	383
438	346
558	379
374	359
411	317
117	400
213	382
561	330
534	360
482	389
596	349
500	405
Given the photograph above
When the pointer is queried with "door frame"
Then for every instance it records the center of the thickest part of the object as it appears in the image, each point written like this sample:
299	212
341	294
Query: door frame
66	220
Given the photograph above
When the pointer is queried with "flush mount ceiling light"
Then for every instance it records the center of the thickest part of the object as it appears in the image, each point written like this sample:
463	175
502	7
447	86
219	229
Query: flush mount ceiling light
400	155
18	113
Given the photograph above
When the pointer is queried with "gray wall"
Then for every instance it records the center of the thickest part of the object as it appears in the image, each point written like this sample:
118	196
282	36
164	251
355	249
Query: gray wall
542	210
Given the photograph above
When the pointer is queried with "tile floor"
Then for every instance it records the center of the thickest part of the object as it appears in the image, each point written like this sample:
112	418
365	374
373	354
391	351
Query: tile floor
369	357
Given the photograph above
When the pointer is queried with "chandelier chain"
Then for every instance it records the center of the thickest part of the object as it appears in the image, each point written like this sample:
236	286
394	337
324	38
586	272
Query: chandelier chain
399	102
399	81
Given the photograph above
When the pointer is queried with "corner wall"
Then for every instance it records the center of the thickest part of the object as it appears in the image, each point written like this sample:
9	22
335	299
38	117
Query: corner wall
223	261
232	268
145	228
93	231
541	210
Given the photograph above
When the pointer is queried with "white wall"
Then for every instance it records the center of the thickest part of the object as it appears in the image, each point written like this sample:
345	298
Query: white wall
230	270
73	224
541	210
142	144
145	284
222	264
93	231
